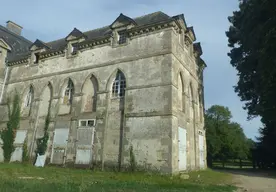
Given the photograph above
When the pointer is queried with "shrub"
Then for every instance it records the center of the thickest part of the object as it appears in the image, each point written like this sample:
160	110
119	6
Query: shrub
25	156
42	142
8	134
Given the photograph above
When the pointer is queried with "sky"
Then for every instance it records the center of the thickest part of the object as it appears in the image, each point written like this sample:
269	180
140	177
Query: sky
53	19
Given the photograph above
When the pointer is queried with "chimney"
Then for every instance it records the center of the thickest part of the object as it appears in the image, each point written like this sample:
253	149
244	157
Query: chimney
14	27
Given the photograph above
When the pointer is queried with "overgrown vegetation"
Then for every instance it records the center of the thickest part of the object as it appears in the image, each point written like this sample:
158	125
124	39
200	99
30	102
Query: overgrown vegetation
132	159
251	37
75	180
25	155
42	142
8	135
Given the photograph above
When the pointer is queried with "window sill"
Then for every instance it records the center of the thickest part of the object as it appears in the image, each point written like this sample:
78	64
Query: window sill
34	64
66	104
72	56
116	45
117	98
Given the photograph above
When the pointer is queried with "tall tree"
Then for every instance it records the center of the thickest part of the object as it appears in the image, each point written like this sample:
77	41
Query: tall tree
225	139
217	120
252	39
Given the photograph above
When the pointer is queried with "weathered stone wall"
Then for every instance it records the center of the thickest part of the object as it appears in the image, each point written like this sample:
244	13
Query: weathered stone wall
146	118
191	117
145	111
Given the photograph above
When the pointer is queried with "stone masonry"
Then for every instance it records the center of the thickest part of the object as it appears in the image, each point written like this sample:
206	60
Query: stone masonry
134	82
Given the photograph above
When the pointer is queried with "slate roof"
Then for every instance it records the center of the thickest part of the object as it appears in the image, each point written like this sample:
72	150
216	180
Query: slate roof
60	44
18	44
76	33
40	44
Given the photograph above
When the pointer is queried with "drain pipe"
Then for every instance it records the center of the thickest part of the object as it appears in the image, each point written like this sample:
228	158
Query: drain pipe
4	83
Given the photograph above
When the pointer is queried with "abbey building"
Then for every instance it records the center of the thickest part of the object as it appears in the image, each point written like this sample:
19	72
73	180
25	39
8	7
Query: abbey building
137	82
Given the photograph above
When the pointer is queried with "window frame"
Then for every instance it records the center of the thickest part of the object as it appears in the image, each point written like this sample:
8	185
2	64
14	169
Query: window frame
73	50
119	86
122	37
69	92
36	58
87	120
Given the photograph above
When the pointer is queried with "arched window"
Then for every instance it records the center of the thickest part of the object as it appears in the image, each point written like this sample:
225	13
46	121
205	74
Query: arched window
200	102
45	100
191	108
119	85
181	99
29	97
68	93
89	97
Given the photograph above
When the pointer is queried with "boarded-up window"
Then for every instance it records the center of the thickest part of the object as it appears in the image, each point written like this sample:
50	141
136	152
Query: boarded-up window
29	97
89	98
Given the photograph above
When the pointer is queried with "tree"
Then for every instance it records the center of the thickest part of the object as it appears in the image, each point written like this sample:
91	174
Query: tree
217	119
240	147
252	41
225	139
8	135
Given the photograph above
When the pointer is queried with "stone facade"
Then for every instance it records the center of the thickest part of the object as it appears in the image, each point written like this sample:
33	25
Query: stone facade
136	82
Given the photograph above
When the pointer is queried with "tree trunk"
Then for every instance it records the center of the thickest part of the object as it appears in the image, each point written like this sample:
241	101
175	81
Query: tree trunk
240	163
223	164
253	164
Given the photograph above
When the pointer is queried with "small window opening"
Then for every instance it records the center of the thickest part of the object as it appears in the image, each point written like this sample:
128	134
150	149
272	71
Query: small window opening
73	50
122	37
36	57
91	123
87	123
83	123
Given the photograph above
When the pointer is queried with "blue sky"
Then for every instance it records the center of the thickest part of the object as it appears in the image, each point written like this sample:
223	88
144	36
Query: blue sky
54	19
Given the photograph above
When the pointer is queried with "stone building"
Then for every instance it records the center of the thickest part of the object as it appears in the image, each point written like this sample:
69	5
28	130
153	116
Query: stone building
137	82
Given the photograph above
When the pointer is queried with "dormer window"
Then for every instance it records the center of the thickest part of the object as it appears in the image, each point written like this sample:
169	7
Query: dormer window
36	48
122	37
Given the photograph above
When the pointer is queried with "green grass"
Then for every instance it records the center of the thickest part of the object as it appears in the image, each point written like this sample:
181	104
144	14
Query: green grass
69	180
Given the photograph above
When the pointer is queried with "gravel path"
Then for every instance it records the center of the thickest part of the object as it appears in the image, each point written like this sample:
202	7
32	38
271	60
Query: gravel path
254	182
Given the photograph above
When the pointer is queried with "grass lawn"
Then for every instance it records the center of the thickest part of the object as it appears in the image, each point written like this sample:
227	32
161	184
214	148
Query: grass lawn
27	178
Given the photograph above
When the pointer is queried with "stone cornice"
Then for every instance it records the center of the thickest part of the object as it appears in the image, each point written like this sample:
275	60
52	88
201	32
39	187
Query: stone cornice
93	43
135	31
50	53
150	28
99	65
22	61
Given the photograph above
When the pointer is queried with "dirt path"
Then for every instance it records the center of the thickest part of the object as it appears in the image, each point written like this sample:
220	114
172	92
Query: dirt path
254	181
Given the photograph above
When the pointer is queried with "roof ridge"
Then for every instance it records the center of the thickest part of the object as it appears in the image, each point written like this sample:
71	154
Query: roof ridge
15	35
107	26
151	14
